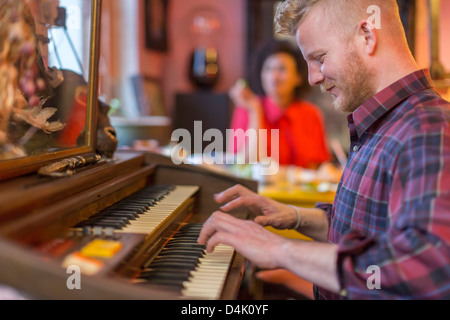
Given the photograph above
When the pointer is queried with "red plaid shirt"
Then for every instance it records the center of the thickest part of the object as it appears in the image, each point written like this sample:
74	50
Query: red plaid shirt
392	207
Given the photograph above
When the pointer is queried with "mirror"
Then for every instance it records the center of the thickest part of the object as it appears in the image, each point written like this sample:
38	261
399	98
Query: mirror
48	86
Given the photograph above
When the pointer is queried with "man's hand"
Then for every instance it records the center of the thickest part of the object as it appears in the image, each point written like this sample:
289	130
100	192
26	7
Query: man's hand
313	261
270	212
257	244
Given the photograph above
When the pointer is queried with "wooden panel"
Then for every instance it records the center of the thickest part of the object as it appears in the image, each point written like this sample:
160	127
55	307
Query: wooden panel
28	272
55	219
40	208
25	195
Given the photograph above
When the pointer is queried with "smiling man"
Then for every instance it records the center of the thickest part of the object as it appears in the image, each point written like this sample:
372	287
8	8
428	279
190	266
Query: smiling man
392	208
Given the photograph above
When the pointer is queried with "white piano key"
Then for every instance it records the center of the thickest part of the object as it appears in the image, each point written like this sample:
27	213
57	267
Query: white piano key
207	280
155	216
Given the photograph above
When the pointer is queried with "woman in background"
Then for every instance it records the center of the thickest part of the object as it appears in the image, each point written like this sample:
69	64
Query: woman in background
276	103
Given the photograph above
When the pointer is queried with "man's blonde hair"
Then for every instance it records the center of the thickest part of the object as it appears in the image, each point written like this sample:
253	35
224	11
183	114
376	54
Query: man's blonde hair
291	13
343	14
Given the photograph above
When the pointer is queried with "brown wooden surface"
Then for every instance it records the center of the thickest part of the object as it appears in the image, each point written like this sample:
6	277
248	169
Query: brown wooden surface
24	195
40	279
38	209
234	278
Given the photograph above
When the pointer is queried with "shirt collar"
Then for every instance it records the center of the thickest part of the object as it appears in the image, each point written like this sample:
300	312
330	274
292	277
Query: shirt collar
273	112
378	105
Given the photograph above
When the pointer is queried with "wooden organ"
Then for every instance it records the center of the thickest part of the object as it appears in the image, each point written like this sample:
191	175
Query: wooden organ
128	223
48	224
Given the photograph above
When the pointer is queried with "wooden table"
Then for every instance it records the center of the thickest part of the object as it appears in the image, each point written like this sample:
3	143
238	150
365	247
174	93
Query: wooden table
297	196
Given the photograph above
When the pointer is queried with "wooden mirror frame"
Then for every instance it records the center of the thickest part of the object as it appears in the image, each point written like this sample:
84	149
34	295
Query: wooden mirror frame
21	166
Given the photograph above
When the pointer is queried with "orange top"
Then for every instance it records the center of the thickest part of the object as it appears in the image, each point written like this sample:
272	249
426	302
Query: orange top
301	129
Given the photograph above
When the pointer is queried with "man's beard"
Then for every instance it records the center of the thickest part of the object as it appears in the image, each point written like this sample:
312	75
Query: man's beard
354	81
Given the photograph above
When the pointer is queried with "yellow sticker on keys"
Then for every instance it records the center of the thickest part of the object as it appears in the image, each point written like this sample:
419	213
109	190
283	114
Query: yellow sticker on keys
101	248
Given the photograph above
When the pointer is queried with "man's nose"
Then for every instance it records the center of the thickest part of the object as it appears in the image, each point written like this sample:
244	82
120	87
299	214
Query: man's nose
315	76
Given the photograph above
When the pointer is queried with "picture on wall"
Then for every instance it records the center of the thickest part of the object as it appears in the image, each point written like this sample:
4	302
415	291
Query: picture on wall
149	96
156	24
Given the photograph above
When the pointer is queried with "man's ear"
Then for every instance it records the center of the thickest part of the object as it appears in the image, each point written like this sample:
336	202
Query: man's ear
368	35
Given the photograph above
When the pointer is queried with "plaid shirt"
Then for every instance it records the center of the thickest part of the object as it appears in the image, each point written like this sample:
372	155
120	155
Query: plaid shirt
392	207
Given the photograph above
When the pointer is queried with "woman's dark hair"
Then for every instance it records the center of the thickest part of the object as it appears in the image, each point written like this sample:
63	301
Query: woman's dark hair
270	48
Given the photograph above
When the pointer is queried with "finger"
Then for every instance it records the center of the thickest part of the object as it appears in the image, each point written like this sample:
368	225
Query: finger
208	229
226	195
276	221
232	193
268	221
231	235
218	221
220	238
262	220
239	202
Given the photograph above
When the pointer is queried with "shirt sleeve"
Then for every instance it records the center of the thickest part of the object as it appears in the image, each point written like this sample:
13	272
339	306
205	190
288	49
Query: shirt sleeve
327	207
412	259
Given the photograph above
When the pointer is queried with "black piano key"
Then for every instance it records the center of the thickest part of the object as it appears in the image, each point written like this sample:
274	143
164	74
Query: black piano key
186	237
128	216
182	249
185	265
181	275
175	258
127	208
193	227
121	222
186	245
187	232
172	283
182	253
141	208
145	203
117	218
151	197
118	222
179	257
170	258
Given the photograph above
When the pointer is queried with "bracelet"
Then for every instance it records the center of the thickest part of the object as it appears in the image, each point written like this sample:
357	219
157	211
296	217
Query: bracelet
298	216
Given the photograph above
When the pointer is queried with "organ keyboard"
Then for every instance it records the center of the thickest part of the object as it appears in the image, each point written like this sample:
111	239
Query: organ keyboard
131	225
185	265
182	265
142	213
